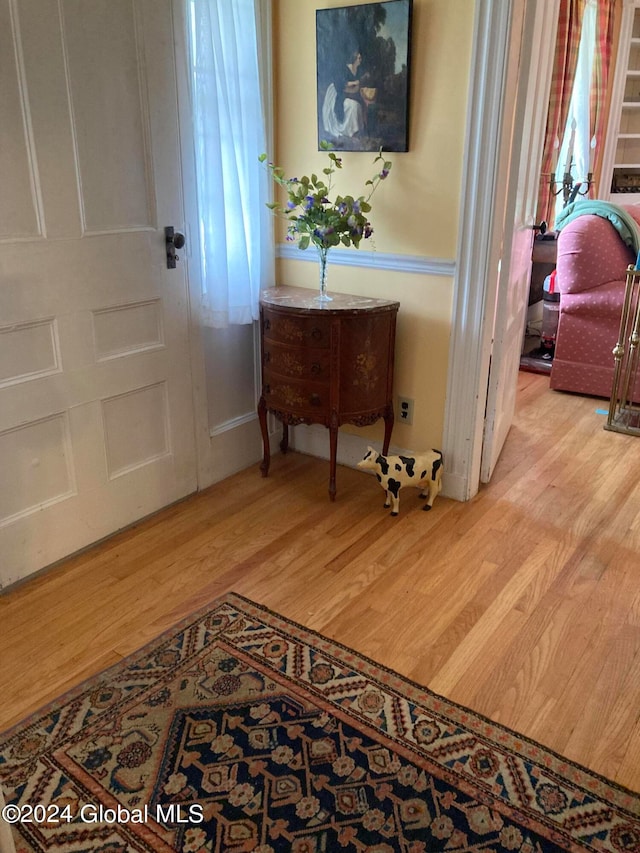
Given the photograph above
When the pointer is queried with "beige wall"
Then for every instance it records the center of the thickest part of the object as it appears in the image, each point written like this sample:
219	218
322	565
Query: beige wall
415	212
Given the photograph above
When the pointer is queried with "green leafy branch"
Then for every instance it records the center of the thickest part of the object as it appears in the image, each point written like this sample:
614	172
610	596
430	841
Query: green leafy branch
313	217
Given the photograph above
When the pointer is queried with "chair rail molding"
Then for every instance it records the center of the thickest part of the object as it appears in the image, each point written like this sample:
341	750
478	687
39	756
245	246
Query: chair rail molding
375	260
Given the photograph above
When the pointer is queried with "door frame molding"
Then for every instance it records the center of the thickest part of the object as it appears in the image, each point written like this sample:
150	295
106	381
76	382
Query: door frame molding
188	257
475	281
481	236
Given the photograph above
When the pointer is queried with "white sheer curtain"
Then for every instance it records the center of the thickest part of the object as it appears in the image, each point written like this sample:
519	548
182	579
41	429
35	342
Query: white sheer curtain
235	226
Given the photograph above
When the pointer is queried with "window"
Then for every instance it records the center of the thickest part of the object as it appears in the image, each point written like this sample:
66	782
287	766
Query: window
578	145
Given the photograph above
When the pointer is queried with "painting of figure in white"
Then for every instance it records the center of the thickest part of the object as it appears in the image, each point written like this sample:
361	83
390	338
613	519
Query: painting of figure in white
363	55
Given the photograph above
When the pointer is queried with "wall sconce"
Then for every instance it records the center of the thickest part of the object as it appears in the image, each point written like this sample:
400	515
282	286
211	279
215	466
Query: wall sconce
570	190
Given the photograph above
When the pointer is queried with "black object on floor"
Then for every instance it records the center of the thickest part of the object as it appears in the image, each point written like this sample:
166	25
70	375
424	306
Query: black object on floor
538	360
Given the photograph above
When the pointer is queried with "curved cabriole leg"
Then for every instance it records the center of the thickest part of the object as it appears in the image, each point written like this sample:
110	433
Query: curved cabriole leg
262	417
333	452
388	429
284	444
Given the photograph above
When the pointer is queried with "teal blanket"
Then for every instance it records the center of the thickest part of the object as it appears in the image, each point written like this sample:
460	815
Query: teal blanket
621	219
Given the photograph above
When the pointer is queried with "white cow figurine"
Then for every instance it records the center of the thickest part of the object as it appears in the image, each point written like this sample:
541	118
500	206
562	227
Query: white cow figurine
423	470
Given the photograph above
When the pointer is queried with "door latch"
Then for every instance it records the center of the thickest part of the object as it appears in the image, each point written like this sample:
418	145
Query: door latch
173	240
541	227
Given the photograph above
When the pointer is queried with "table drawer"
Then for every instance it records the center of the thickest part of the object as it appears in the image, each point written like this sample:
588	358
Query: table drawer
300	331
297	362
295	397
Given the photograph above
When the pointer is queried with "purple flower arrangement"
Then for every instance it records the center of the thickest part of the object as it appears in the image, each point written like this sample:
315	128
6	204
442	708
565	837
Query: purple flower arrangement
314	218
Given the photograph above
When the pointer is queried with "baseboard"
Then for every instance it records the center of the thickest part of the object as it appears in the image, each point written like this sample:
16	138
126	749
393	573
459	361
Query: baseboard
233	450
314	441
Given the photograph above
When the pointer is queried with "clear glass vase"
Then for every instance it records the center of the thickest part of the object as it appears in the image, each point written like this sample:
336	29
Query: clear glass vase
323	296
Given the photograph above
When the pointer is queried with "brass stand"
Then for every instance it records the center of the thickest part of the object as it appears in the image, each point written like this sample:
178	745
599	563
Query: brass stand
624	412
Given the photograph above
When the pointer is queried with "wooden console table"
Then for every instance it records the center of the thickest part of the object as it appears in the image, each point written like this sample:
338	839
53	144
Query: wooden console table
325	363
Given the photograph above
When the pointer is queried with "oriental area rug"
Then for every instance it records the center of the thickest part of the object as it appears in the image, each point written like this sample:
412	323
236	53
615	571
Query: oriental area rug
241	731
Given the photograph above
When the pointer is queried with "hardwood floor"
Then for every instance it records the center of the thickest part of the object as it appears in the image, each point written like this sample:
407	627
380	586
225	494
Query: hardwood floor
523	604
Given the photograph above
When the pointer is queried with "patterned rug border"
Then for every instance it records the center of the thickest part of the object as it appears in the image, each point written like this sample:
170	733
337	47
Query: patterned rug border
464	716
404	683
402	680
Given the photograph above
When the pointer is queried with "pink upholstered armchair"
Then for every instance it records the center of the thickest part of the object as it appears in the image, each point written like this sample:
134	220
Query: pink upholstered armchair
591	269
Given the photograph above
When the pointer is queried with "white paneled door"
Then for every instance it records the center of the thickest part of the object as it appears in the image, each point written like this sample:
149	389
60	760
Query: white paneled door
530	61
96	412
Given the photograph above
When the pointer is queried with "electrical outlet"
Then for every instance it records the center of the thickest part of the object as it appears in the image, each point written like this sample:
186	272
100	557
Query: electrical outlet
405	410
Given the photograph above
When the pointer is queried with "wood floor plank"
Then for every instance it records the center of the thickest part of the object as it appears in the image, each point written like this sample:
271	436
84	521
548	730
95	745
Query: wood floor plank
523	603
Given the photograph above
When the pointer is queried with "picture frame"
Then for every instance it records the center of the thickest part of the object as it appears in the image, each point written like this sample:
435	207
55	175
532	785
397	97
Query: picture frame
363	56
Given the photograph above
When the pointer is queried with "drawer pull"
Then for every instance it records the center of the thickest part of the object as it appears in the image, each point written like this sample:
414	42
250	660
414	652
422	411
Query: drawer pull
267	324
266	389
316	368
316	333
267	357
314	399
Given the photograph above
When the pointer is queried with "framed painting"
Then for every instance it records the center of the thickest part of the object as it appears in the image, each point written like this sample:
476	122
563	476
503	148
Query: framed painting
363	72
